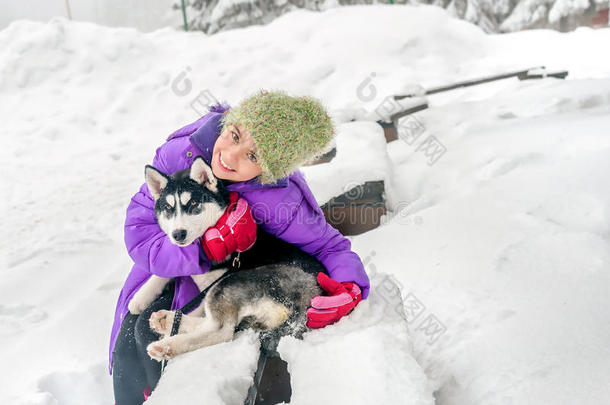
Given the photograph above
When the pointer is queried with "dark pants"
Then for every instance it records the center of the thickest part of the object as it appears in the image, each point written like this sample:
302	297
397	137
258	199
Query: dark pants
133	371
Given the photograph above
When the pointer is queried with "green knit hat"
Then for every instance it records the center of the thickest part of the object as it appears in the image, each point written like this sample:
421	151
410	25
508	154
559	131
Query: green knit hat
288	131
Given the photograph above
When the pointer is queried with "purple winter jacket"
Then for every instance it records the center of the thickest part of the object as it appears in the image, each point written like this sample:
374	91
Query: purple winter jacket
286	209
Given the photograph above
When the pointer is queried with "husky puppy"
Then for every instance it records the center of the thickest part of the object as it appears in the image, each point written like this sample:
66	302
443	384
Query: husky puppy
272	298
186	205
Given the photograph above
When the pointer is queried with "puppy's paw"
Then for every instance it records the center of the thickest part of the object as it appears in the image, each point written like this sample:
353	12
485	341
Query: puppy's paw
160	350
137	305
162	321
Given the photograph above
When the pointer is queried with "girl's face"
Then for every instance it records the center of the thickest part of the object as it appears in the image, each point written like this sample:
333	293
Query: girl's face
234	156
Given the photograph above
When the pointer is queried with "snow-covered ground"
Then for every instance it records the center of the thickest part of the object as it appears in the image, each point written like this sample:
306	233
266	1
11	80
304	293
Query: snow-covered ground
500	246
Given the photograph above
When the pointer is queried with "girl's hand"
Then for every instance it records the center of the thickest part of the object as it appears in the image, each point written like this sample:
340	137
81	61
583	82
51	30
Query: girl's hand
235	230
342	299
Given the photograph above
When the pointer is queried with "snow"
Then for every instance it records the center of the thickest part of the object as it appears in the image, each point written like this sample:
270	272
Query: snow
508	246
366	358
223	374
502	241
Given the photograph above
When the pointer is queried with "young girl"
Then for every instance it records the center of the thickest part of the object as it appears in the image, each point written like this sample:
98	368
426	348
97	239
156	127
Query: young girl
255	149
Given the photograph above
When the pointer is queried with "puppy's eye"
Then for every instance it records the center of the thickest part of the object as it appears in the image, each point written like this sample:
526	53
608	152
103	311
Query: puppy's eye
168	207
193	203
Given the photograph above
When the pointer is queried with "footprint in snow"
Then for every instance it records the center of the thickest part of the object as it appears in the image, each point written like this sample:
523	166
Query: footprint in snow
78	387
16	318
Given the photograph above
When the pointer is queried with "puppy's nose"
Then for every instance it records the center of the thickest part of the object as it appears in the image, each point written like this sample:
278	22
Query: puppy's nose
179	235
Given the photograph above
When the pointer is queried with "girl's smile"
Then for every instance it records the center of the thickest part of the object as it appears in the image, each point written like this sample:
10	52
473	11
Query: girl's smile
234	156
223	164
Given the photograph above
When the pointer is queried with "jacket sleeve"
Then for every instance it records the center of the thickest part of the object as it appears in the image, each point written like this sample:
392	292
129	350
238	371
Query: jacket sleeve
148	246
305	226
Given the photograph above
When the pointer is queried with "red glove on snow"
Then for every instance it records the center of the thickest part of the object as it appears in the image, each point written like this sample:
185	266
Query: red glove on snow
235	230
326	310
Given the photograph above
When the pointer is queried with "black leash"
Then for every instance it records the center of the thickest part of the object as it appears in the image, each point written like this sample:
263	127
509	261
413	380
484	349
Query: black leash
233	268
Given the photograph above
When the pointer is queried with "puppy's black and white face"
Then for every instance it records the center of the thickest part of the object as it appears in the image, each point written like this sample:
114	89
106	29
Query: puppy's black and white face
188	202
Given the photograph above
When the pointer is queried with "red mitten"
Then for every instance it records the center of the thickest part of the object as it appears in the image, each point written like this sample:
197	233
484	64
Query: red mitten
234	231
342	299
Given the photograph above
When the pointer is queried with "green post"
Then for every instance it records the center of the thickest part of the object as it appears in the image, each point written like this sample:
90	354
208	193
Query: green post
186	26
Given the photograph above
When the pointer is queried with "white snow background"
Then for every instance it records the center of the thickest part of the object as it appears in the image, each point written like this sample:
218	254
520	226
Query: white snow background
504	240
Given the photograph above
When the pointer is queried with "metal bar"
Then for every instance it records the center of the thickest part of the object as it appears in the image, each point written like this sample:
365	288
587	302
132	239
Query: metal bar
253	390
471	82
558	75
68	11
186	25
412	110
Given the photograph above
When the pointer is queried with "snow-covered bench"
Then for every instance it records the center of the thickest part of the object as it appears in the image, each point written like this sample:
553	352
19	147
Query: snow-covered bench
365	358
350	187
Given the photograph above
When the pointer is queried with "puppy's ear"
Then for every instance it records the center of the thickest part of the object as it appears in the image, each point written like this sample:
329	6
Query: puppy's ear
202	174
155	180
